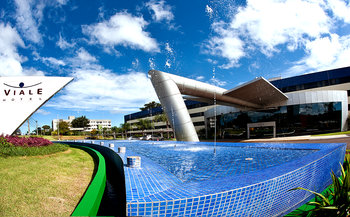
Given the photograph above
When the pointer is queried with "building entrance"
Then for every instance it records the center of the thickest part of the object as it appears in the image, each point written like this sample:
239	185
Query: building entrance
262	124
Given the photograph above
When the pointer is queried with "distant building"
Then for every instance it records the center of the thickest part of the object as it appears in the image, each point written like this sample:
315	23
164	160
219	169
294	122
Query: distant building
195	109
93	124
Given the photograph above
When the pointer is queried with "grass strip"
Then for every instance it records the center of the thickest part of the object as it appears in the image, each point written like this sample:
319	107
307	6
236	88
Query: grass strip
49	185
333	134
32	151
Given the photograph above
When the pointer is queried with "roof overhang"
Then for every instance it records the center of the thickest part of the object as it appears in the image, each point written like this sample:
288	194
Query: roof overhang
258	91
256	94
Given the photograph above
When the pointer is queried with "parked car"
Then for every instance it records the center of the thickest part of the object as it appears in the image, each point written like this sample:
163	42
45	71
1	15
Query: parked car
153	138
157	138
133	138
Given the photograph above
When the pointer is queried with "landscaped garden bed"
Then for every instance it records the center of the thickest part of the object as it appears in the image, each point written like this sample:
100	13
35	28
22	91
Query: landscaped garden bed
28	146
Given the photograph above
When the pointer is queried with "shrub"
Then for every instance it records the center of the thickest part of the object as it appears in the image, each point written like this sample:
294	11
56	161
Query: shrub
25	141
4	142
32	151
30	146
336	202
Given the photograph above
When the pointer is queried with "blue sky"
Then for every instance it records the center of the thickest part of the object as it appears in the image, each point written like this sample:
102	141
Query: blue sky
109	46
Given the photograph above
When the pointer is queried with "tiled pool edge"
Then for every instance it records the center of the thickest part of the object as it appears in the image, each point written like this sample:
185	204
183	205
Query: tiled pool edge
264	198
273	198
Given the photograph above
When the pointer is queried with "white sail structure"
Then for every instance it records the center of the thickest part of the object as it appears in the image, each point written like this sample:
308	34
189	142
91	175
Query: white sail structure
256	94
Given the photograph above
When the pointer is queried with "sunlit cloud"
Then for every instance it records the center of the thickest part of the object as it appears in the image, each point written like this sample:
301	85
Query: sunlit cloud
53	61
26	22
63	44
122	29
97	88
10	60
272	25
323	53
160	10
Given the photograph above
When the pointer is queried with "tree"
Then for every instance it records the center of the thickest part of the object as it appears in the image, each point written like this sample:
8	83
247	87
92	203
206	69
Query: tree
150	105
144	124
93	133
105	131
63	128
46	130
80	122
125	128
163	118
116	130
38	130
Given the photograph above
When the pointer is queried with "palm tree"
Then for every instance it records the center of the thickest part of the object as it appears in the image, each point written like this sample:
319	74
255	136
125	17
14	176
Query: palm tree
163	118
144	124
115	130
125	128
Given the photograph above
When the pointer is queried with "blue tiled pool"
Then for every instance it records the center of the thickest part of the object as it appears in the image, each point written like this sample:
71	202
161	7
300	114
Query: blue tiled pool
200	162
226	179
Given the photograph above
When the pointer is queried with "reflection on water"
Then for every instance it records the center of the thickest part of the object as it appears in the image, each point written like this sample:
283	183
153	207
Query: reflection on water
197	162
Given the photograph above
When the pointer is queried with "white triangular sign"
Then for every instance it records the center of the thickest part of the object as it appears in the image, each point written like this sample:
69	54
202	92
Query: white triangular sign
20	97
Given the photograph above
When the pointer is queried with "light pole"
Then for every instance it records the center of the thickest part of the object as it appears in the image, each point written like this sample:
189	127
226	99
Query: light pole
36	125
58	128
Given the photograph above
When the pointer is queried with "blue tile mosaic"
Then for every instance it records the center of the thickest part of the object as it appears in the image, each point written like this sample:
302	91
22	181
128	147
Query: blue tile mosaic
189	179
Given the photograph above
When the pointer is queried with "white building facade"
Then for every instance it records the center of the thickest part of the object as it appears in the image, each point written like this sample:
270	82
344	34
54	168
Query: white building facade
94	124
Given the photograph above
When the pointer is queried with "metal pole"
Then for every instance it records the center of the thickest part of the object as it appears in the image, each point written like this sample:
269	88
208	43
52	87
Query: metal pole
36	123
58	128
214	114
28	127
151	122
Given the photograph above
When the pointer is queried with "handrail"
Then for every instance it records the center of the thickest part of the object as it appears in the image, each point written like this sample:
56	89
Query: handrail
90	202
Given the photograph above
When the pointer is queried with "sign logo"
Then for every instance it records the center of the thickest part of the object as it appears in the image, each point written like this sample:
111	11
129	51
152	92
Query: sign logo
21	85
22	92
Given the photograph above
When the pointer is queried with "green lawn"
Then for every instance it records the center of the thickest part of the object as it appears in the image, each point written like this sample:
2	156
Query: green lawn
332	134
50	185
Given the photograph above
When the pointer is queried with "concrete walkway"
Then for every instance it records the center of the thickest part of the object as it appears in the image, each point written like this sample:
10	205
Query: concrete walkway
297	138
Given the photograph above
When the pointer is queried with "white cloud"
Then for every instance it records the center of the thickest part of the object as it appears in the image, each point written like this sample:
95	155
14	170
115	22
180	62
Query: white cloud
43	112
323	53
97	88
268	26
122	29
217	82
341	9
199	78
63	44
32	72
227	45
62	2
10	60
27	24
104	90
85	56
274	22
53	61
160	11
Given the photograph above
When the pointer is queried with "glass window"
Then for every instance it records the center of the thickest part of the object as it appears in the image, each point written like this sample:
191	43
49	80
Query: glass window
290	120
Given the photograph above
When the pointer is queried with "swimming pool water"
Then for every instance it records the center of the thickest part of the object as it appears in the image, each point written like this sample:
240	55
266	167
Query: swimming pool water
250	179
198	162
